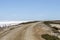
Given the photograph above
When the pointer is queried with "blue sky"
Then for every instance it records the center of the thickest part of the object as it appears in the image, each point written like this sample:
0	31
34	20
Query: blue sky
29	10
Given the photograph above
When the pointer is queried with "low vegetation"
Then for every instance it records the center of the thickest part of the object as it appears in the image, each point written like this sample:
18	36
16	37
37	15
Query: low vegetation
49	37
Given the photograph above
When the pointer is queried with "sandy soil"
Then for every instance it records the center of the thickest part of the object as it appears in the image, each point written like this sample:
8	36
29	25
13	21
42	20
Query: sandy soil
31	31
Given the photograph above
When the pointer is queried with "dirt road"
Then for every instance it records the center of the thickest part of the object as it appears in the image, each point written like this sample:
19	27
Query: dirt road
21	33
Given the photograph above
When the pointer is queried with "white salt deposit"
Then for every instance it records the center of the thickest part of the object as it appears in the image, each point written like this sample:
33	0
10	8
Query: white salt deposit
7	23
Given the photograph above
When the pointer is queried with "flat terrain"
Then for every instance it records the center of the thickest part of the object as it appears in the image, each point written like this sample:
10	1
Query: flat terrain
29	31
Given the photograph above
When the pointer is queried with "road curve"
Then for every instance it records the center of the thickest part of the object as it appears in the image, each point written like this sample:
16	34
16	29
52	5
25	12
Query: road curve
24	32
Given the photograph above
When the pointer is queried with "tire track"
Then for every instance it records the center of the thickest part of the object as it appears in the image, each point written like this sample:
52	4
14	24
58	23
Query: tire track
14	33
29	34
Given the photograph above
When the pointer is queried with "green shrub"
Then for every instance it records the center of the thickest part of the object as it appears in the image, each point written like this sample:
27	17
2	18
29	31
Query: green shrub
49	37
